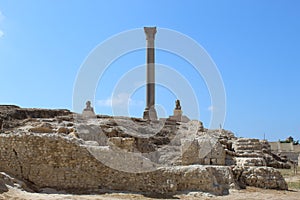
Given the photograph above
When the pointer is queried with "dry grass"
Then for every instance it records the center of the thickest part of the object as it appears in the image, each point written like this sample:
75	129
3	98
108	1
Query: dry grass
286	173
292	179
294	185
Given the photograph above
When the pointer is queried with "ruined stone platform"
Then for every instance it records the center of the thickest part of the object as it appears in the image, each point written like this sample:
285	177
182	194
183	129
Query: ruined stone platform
57	150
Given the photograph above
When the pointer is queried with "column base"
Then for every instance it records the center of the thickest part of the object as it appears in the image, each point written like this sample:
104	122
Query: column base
150	114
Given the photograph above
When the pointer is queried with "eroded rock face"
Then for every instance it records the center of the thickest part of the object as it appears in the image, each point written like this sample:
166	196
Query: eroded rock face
55	161
7	180
262	177
12	116
15	112
3	183
91	133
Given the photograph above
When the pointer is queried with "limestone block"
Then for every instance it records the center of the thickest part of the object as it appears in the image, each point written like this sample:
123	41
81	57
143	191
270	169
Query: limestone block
250	161
202	150
91	143
126	144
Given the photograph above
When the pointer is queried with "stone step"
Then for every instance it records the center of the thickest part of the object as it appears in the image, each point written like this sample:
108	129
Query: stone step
248	147
250	155
248	151
249	143
247	140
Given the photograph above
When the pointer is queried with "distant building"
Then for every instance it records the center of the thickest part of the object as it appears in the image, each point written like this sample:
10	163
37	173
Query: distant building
289	150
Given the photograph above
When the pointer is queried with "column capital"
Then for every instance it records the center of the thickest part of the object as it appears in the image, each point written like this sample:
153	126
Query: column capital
150	33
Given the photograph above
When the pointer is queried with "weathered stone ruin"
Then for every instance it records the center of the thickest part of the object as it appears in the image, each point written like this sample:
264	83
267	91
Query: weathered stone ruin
55	149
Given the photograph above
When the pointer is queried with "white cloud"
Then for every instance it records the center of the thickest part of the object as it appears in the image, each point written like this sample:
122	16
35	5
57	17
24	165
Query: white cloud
211	108
119	100
1	33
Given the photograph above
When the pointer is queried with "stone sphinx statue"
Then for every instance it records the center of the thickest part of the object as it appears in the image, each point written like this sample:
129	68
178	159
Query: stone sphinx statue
88	106
88	112
177	115
177	104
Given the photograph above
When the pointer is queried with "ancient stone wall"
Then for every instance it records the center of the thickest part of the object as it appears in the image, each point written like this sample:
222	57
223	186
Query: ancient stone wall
289	150
59	162
284	147
275	146
297	148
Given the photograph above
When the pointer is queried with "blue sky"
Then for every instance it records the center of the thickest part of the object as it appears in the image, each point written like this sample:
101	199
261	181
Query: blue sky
255	45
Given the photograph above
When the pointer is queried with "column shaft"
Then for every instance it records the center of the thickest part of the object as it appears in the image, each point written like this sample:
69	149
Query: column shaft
150	112
150	77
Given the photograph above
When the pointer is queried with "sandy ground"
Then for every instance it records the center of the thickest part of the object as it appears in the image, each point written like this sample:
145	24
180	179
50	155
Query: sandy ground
250	193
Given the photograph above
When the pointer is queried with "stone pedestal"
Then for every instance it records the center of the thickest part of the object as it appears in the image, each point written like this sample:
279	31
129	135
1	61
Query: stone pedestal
150	114
177	115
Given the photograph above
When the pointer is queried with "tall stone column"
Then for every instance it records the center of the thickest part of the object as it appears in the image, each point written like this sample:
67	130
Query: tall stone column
150	112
